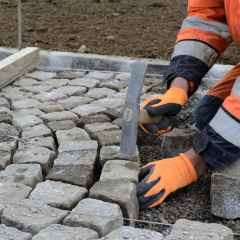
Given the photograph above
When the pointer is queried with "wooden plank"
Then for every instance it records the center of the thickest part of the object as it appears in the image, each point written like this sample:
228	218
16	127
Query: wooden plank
17	64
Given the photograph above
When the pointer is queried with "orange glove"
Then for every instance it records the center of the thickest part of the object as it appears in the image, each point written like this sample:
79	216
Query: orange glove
160	178
157	112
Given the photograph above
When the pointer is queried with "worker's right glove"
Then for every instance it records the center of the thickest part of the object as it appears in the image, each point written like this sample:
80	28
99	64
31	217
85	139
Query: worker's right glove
157	113
160	178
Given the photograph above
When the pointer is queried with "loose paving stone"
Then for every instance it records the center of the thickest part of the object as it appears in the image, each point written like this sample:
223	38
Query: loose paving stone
26	82
84	82
88	110
58	82
96	118
25	103
47	142
100	75
75	163
26	121
38	89
31	216
60	232
74	101
15	93
123	77
29	111
225	192
109	153
120	192
110	103
5	115
10	233
120	170
36	131
60	116
131	233
61	125
53	95
41	76
40	155
100	216
4	103
98	93
71	135
72	90
109	137
13	192
5	159
58	194
115	84
177	141
27	174
50	107
1	209
70	74
188	230
8	132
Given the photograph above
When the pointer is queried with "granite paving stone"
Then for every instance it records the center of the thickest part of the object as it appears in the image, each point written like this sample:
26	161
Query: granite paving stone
10	233
4	103
60	232
47	142
25	103
40	75
37	89
13	192
8	132
100	75
31	216
112	137
110	103
130	233
27	174
56	82
103	217
5	158
98	93
187	230
26	82
28	111
84	82
40	155
61	125
15	93
88	109
58	194
53	95
120	170
36	131
115	84
50	107
26	121
71	135
72	90
5	115
74	101
1	209
60	116
123	77
70	74
109	153
120	192
95	118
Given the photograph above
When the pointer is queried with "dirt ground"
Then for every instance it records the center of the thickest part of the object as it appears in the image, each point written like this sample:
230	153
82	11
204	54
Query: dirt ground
136	28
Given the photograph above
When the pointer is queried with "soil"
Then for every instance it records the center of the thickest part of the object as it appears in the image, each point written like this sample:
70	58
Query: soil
136	28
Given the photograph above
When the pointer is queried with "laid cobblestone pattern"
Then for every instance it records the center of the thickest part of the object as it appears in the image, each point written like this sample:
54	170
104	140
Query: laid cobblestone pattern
60	172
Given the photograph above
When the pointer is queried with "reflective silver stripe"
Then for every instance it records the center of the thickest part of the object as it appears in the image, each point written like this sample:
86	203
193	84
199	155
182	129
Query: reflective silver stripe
226	127
236	87
211	26
196	49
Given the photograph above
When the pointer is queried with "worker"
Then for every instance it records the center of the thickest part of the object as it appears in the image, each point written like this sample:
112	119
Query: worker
207	31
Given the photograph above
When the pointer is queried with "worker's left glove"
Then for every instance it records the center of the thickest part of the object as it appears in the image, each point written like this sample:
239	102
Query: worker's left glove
160	178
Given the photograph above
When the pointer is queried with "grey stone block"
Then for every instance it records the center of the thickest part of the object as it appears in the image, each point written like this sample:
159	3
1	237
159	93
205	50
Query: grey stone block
120	170
40	155
1	209
56	82
88	110
5	159
177	141
71	135
36	131
131	233
120	192
109	153
41	76
60	232
109	137
78	146
47	142
188	230
74	101
5	115
8	132
51	107
26	121
225	192
61	125
25	103
115	84
100	216
31	216
37	89
72	90
15	93
27	174
110	103
60	116
100	75
10	233
98	93
13	192
58	194
53	95
4	103
70	74
85	82
96	118
123	77
29	111
25	82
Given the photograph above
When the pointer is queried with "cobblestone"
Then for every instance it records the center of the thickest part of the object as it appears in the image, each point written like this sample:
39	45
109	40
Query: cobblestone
5	115
29	111
74	101
84	82
55	82
70	74
57	194
60	116
72	90
109	153
88	110
40	155
26	121
53	95
25	103
10	233
115	84
41	76
96	118
36	131
60	232
100	75
109	137
100	216
38	89
26	82
8	132
27	174
50	107
98	93
5	159
120	192
61	125
4	103
31	216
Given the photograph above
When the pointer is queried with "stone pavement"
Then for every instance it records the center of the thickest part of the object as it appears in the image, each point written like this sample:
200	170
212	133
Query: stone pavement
60	175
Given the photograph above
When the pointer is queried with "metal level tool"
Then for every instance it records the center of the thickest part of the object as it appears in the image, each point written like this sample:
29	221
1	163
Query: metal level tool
128	146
